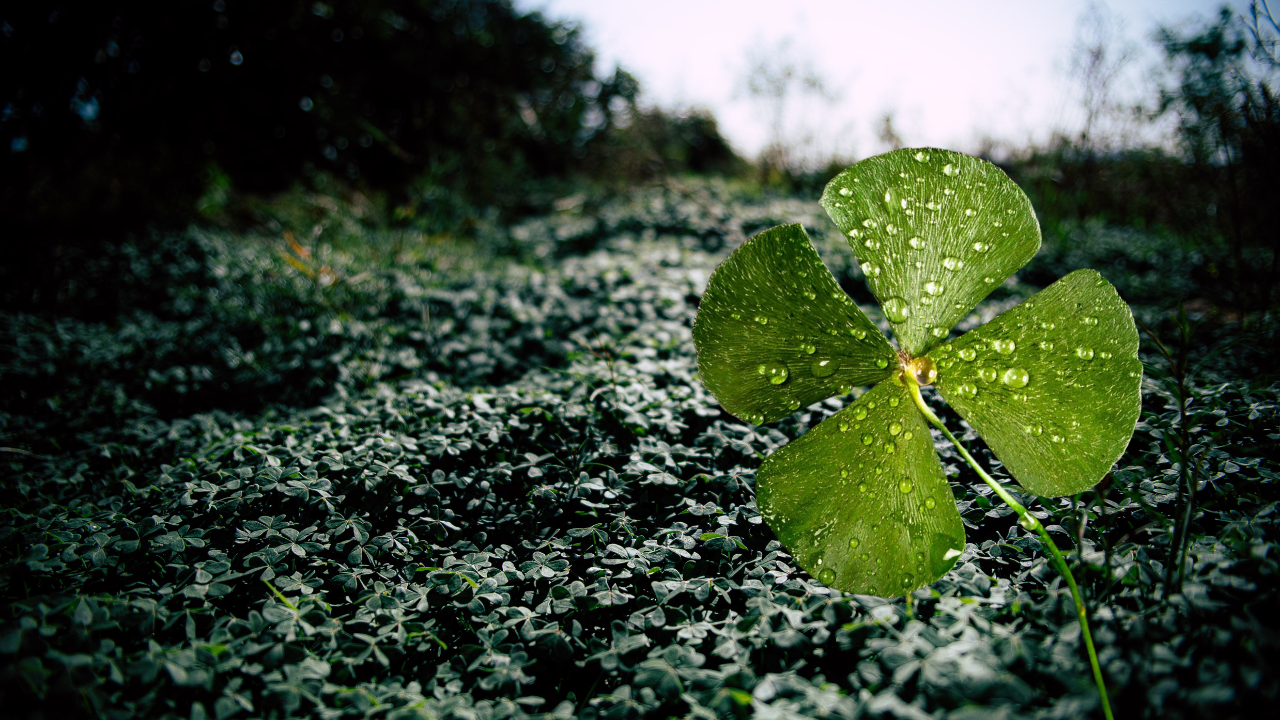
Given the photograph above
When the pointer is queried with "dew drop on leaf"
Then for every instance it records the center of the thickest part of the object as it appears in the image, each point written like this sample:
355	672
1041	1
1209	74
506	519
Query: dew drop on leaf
1015	377
762	320
890	448
882	363
952	263
860	413
915	243
862	487
808	349
968	354
906	486
1084	353
845	192
950	170
934	288
867	439
827	576
823	368
897	310
930	503
968	390
853	543
1003	346
895	427
776	372
987	374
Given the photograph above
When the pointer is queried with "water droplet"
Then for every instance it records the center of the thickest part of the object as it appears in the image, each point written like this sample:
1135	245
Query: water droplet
968	212
930	504
1003	346
1088	320
1084	353
882	363
981	247
776	372
844	427
905	487
858	333
1015	377
762	320
867	439
807	348
893	402
1046	345
908	435
855	233
871	269
952	263
1104	355
967	390
908	580
827	576
870	224
853	543
1057	438
890	448
823	368
895	427
967	354
915	243
897	310
934	288
938	332
736	316
810	294
922	156
950	170
1036	429
792	404
862	487
987	374
846	192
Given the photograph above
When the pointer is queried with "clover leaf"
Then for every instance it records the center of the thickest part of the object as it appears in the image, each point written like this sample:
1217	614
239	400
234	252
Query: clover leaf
1051	385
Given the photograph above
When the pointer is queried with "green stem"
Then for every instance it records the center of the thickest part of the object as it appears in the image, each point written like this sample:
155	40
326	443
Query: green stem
1030	522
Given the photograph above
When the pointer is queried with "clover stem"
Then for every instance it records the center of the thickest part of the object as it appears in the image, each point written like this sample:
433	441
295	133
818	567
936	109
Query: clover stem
1030	522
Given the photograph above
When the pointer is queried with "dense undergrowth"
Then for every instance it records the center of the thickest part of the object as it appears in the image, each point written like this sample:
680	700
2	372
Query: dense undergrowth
377	473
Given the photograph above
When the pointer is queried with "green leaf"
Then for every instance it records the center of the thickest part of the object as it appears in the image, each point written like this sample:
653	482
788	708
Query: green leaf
775	332
935	232
861	501
1052	385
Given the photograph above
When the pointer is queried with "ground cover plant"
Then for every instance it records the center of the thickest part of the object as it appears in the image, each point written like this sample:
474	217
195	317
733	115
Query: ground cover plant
485	481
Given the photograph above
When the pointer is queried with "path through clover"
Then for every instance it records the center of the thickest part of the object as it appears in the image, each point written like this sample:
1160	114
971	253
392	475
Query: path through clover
1051	385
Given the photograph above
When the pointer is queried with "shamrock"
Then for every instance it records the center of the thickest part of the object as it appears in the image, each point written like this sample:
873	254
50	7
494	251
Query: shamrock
1051	385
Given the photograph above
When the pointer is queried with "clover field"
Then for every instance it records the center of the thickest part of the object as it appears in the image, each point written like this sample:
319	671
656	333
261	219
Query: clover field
373	473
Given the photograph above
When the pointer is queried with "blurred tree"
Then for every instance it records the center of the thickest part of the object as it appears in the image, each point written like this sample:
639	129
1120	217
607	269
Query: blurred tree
1229	124
120	113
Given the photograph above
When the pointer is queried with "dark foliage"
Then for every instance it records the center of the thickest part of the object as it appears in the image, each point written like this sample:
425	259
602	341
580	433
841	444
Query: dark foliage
115	111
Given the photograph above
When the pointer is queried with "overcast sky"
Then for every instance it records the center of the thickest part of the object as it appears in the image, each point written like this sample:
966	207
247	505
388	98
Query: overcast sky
950	72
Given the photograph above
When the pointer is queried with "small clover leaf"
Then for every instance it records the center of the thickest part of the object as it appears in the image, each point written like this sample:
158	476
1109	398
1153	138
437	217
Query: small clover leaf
1052	385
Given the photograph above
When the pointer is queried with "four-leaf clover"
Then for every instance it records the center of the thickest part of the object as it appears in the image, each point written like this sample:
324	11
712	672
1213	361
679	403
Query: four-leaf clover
1052	385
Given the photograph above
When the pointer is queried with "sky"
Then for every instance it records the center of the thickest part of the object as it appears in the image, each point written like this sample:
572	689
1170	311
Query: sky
951	73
